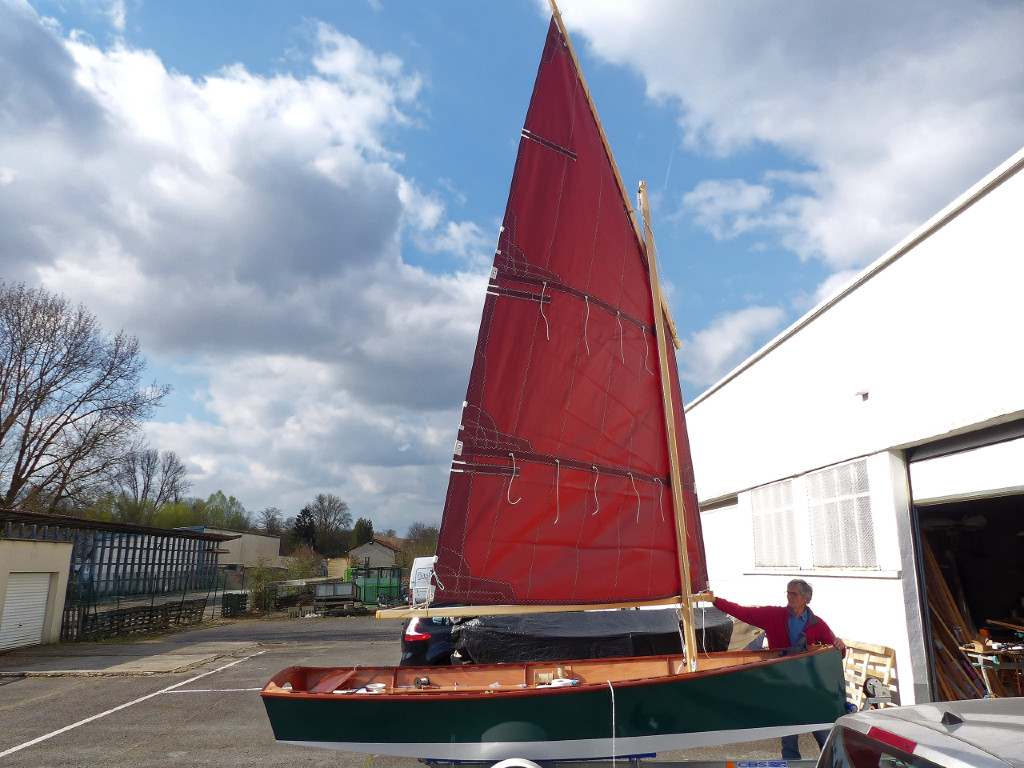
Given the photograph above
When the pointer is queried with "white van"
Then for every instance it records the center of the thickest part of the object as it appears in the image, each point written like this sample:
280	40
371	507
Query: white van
421	590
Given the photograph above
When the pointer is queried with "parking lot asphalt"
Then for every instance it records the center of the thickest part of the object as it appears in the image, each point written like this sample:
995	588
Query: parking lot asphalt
191	698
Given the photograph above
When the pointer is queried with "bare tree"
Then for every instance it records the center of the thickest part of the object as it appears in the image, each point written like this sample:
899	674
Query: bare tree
146	475
271	520
71	404
332	518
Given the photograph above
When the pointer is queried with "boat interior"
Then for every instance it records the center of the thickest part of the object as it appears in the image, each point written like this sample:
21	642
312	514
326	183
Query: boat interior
477	678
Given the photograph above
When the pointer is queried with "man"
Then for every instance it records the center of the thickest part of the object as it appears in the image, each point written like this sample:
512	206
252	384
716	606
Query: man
791	629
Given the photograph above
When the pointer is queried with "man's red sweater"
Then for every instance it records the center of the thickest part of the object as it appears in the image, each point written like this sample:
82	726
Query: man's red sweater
772	619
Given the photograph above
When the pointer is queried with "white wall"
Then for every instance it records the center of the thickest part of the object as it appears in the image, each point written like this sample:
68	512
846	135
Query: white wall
934	338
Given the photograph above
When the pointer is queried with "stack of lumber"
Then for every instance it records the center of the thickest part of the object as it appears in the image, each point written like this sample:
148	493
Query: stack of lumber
864	660
956	678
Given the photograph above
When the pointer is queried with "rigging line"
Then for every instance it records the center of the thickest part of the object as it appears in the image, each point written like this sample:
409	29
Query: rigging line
611	689
622	352
704	630
647	351
637	496
661	492
597	504
508	493
558	508
586	323
547	328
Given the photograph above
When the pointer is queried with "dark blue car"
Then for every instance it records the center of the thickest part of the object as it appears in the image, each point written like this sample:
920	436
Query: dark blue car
427	642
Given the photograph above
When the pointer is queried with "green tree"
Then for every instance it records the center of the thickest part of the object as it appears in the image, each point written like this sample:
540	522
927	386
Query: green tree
71	401
304	528
263	585
174	516
220	511
362	533
303	563
134	511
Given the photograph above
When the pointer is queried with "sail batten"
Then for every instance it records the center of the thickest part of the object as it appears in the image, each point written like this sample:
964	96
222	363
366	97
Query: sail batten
562	488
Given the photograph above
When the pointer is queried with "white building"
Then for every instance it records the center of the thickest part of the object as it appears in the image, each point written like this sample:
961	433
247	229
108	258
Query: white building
374	554
892	411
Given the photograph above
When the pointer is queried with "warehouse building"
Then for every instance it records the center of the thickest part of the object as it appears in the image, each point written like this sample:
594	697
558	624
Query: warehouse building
876	447
56	571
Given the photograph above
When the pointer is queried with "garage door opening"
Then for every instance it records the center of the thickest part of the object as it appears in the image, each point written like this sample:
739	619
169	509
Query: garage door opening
973	562
24	616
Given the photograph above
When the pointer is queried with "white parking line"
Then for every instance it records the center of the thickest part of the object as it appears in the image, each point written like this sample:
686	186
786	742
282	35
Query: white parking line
169	688
212	690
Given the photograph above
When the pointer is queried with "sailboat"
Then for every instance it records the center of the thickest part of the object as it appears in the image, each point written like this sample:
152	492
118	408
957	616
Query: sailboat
571	489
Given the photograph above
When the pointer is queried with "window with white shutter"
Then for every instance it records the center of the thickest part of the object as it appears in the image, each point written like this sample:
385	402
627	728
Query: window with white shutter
774	526
839	507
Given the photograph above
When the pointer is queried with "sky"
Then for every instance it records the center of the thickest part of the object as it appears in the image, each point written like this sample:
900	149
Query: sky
294	206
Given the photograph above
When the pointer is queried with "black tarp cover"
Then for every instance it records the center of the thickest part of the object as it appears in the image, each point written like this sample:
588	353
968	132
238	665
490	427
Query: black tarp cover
585	635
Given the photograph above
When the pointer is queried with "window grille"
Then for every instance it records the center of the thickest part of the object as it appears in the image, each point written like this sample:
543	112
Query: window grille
774	528
842	530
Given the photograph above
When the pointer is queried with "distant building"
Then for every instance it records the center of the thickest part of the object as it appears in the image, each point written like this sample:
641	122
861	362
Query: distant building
378	553
247	550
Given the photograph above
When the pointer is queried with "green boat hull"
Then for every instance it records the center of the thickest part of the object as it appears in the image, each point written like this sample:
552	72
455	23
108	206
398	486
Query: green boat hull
741	703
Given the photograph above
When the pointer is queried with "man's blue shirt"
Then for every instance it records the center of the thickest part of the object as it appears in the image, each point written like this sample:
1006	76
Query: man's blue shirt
796	626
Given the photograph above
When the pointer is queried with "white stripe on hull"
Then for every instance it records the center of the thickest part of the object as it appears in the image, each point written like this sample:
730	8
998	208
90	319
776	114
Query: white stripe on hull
563	750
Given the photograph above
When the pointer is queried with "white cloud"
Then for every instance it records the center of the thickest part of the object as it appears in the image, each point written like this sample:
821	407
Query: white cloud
711	353
896	107
728	208
253	224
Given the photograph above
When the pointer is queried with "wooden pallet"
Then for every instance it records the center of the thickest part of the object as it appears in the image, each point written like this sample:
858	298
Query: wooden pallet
864	660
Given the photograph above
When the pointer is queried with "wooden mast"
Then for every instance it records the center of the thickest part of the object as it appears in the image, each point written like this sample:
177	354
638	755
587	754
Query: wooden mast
689	633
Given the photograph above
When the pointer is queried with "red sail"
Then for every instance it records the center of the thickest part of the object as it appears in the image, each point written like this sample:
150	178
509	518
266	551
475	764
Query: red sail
560	490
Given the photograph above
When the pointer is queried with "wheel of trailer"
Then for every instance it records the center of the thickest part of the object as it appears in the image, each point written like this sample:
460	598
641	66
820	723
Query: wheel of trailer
516	762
